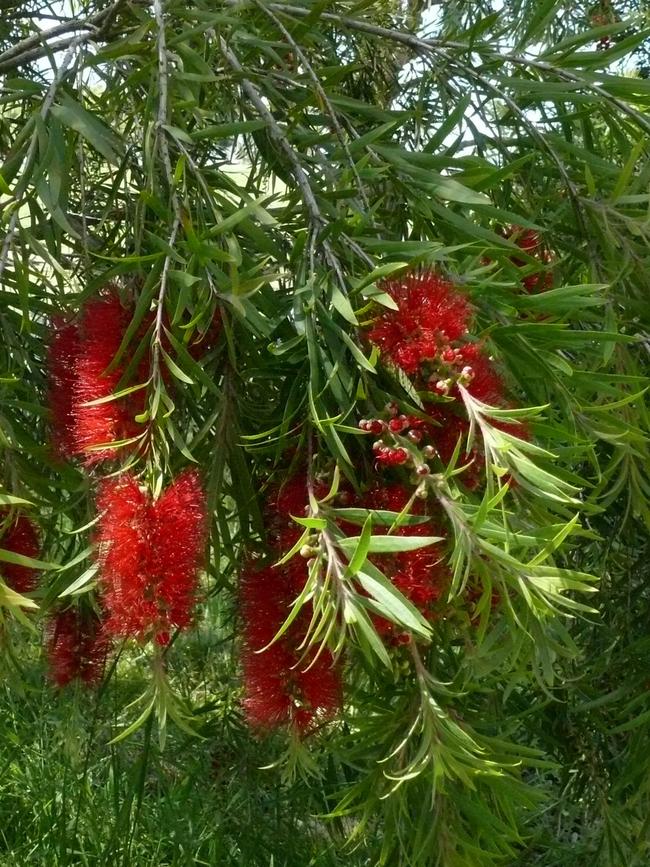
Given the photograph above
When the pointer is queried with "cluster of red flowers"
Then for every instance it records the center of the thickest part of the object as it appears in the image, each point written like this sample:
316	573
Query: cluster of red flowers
447	359
20	537
529	241
431	315
77	646
420	575
150	552
150	555
81	354
283	685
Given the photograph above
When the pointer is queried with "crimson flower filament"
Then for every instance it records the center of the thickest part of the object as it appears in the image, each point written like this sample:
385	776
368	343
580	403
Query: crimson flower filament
151	553
77	646
20	537
283	684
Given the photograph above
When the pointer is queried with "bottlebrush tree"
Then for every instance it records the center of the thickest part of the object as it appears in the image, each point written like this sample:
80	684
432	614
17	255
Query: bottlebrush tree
324	353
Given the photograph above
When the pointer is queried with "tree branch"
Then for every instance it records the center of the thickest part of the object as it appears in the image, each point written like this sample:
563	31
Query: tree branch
419	45
31	152
323	96
29	49
163	145
316	217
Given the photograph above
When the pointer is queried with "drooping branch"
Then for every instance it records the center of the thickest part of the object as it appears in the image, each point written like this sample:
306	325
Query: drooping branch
421	45
320	90
40	44
32	150
317	220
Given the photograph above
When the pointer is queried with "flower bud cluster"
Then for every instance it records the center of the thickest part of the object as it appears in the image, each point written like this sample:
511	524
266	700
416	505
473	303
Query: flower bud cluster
452	361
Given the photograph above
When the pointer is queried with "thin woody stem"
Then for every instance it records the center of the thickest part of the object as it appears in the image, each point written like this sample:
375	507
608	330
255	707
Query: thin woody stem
317	220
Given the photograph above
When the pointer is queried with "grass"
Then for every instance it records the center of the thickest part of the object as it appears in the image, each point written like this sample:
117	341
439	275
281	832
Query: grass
69	797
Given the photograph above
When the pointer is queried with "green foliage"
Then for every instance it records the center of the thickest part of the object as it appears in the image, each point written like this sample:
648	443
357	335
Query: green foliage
268	165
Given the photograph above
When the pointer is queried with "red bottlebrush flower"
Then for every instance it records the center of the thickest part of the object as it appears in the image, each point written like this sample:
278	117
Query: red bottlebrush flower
431	314
320	686
79	358
20	537
445	437
290	499
280	687
122	535
265	604
421	575
103	325
62	374
530	242
150	555
267	702
177	541
77	647
389	498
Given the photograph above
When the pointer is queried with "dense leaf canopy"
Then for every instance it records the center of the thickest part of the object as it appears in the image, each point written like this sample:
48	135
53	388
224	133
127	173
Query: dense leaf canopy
241	242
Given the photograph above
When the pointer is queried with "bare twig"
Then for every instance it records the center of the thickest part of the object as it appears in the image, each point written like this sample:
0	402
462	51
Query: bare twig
163	145
163	103
277	135
340	134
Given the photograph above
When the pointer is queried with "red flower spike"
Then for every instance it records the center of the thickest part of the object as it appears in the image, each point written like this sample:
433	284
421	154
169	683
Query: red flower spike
102	329
431	314
77	647
291	499
485	384
63	357
177	540
150	555
445	437
278	688
421	575
265	600
20	537
123	538
320	685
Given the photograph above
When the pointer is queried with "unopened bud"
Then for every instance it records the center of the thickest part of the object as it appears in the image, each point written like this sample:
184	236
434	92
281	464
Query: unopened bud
443	385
